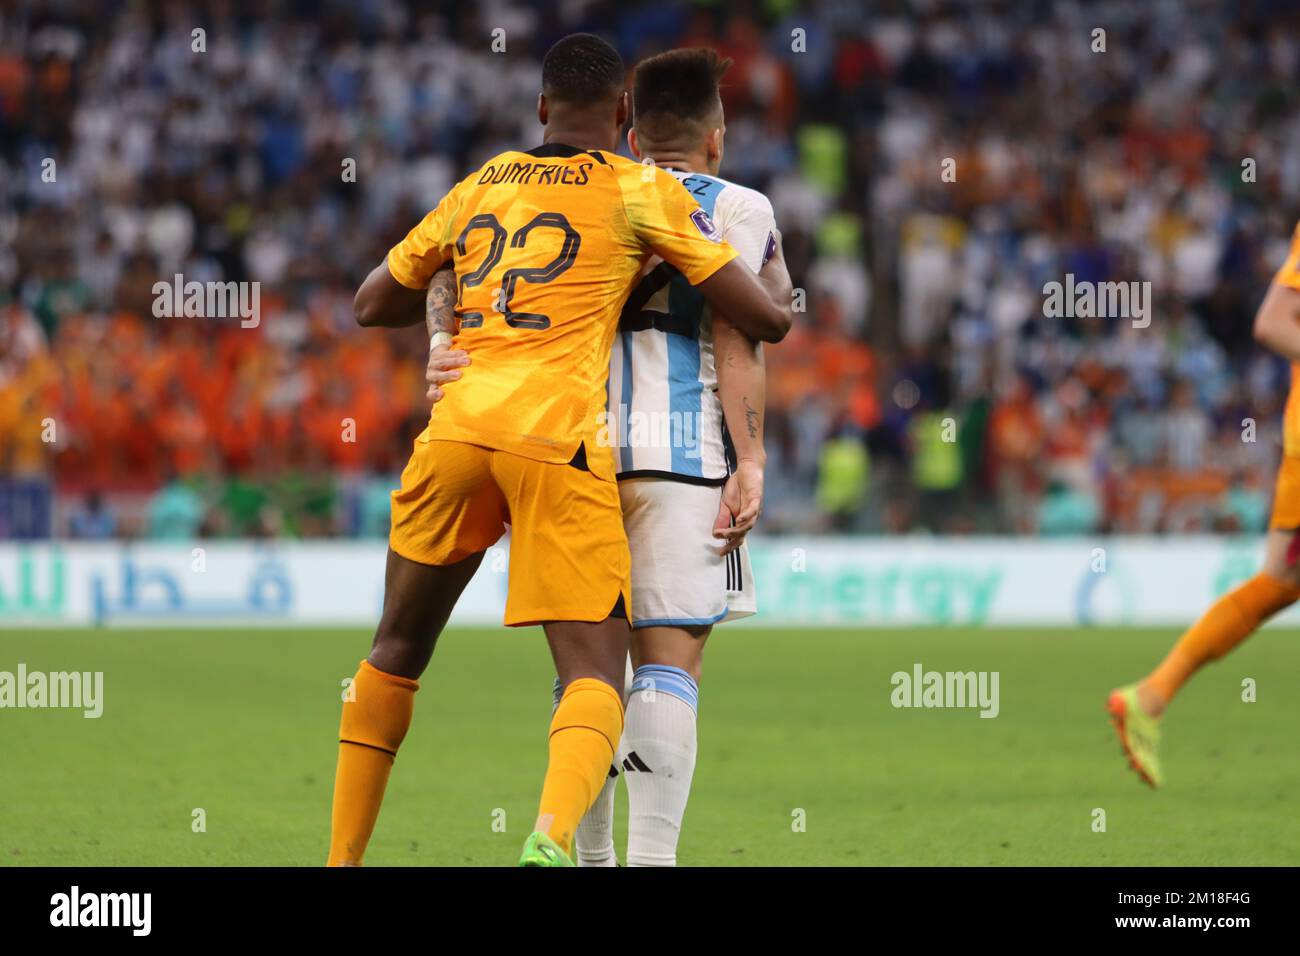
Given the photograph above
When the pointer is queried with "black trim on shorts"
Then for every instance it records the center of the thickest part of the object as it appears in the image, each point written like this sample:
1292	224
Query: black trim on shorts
579	459
673	476
620	609
735	579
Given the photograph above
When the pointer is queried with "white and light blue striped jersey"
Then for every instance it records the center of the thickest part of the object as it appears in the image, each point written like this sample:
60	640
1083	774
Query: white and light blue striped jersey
664	416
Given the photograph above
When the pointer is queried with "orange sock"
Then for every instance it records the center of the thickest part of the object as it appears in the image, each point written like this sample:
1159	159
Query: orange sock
1227	623
371	730
584	734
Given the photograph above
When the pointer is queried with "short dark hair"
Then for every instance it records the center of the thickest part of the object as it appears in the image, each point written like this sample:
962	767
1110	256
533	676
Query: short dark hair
582	68
676	88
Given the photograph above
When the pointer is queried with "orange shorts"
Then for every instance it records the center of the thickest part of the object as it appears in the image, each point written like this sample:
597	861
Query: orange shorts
569	559
1286	496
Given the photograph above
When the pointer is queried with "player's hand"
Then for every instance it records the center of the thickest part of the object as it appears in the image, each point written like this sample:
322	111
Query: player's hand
742	503
444	366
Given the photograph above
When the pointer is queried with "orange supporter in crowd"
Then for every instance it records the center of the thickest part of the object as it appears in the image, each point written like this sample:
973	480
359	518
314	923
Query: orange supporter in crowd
138	400
824	363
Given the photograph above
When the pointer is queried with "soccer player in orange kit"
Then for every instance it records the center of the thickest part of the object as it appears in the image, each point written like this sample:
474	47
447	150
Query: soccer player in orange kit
1138	708
546	244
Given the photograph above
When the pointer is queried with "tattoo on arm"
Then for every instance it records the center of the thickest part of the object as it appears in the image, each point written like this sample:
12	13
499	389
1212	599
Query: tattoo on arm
440	304
752	417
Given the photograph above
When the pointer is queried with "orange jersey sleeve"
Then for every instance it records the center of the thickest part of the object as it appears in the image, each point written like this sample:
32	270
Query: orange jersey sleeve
1289	274
668	221
415	259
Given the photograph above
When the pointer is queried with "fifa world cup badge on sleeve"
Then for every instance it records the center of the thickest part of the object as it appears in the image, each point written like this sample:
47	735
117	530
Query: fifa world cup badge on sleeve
705	225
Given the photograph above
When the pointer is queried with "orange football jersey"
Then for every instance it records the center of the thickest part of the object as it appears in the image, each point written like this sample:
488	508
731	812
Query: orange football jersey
547	244
1289	275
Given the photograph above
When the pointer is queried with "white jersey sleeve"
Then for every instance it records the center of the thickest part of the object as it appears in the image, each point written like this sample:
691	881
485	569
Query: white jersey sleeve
745	219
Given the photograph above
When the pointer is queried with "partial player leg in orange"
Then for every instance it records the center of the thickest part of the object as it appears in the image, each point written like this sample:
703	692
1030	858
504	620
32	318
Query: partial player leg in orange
570	570
1227	623
1240	612
586	726
1136	709
418	598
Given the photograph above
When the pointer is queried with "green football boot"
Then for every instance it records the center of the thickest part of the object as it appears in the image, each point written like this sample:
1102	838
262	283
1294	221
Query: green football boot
1139	733
541	850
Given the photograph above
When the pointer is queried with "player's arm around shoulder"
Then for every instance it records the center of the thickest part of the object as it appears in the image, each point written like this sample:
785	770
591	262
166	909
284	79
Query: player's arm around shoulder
668	220
750	226
1277	323
761	306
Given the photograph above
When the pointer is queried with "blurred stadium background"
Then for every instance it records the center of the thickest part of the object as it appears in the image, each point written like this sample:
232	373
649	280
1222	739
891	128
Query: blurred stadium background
924	297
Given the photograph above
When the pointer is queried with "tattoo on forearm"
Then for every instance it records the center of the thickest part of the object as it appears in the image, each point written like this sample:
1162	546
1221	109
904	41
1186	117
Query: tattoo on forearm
440	305
753	419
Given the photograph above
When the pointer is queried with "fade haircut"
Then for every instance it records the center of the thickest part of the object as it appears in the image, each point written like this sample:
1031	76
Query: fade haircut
675	94
582	69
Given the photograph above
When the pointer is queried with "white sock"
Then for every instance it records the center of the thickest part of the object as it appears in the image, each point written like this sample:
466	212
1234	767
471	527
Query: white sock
659	761
594	840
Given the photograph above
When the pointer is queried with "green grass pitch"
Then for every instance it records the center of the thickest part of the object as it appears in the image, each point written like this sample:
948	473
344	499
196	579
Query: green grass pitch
241	724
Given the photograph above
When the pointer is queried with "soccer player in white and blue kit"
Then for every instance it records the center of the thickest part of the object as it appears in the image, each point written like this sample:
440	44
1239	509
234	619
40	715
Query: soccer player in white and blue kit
686	395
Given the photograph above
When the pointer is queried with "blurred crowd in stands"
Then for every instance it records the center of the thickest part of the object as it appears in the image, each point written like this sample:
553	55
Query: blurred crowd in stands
932	166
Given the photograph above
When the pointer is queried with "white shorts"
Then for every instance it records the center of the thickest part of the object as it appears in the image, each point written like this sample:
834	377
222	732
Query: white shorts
678	577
